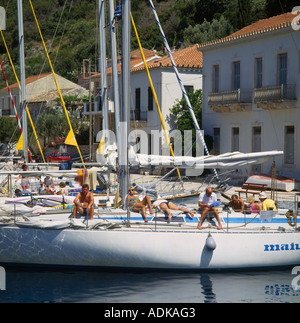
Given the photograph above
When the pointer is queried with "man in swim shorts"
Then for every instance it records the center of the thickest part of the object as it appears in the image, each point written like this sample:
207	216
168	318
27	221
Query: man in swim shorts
84	203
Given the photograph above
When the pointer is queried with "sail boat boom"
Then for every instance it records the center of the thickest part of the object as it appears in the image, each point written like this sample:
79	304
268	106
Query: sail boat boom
228	160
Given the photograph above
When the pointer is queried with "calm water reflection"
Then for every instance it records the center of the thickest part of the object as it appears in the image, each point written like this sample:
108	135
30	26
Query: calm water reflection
23	285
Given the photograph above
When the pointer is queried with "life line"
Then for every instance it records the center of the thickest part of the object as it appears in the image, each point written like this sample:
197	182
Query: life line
291	216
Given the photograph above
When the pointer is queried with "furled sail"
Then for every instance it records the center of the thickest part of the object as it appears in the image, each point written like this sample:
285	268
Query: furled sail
228	160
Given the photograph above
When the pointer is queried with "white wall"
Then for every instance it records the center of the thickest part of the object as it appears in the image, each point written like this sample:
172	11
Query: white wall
273	122
167	91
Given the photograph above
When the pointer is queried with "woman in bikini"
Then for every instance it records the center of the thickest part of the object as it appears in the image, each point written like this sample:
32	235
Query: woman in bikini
136	205
167	206
254	205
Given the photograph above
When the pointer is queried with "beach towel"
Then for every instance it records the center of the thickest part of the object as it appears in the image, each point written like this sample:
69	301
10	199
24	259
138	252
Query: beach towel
82	176
92	178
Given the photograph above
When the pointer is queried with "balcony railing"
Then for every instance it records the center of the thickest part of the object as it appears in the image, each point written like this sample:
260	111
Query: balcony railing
275	93
229	97
224	97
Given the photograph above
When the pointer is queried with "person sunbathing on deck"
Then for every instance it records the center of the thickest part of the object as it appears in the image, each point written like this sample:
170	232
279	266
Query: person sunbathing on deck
166	207
136	205
254	205
237	204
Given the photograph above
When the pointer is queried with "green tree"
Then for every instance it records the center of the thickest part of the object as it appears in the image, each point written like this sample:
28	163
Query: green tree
181	117
207	31
53	124
241	13
180	112
9	130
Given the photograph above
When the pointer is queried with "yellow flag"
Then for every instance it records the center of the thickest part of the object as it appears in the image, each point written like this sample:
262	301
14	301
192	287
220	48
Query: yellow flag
100	149
20	143
71	140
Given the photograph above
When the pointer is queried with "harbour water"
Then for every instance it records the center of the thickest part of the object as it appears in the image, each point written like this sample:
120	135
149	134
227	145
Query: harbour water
68	286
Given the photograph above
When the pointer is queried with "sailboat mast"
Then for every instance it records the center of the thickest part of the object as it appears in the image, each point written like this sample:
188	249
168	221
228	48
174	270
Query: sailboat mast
103	67
126	94
114	69
23	82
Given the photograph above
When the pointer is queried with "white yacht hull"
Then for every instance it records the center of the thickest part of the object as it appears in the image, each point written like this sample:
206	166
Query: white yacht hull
148	249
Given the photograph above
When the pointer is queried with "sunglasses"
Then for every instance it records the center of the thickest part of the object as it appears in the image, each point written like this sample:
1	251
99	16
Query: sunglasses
131	190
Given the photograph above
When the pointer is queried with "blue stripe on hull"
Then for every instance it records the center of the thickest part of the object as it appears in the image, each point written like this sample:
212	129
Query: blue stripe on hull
196	220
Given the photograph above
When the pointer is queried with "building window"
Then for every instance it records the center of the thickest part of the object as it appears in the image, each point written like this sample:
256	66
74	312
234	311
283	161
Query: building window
188	89
217	141
235	144
150	144
282	69
137	104
216	79
258	72
8	103
150	99
289	145
256	145
236	75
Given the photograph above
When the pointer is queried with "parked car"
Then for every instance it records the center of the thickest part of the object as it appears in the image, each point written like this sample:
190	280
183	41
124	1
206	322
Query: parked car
58	157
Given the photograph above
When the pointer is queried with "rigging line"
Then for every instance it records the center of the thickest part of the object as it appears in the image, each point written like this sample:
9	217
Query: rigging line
55	79
63	33
14	105
26	107
198	131
154	92
10	141
45	60
11	97
53	38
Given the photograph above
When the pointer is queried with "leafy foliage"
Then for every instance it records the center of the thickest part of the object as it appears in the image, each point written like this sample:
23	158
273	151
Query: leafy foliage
53	124
182	119
9	130
181	114
208	31
71	33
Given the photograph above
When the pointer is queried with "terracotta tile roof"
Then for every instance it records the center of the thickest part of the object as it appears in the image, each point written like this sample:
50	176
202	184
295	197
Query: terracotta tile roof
135	60
263	26
186	58
136	54
189	57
